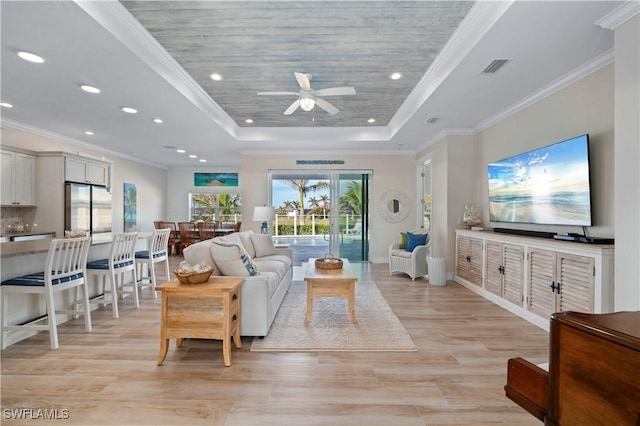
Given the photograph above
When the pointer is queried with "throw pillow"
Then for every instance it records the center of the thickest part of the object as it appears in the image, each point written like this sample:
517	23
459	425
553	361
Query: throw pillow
403	241
414	240
263	244
232	259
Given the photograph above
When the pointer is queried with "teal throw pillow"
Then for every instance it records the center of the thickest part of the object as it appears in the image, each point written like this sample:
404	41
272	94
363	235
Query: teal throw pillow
415	240
403	241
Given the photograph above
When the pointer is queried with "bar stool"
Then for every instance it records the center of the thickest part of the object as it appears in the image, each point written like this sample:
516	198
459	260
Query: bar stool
156	252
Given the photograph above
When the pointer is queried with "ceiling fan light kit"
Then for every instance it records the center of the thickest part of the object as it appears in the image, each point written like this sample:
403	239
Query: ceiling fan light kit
309	98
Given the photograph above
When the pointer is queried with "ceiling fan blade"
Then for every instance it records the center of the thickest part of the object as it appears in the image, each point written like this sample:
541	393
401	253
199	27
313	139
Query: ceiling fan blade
277	93
326	106
294	106
303	80
336	91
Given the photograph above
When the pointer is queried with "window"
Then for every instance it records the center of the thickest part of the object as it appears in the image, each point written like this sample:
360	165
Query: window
426	194
223	207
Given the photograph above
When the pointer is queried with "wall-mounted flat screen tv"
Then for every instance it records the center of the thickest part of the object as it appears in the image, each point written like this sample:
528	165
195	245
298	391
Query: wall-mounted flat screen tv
549	185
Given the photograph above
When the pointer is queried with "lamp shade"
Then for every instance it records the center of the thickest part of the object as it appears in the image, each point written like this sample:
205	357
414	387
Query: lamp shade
263	213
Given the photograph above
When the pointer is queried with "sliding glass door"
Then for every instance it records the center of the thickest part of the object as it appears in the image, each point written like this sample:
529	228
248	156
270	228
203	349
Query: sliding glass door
322	212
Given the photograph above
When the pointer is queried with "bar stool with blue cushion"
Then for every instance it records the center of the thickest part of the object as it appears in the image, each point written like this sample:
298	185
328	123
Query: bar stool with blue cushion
120	261
156	252
64	269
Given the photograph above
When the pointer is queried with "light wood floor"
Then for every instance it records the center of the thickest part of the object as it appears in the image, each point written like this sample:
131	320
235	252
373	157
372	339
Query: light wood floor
110	377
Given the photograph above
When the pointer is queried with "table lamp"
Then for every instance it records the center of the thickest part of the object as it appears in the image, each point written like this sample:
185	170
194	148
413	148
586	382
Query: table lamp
264	214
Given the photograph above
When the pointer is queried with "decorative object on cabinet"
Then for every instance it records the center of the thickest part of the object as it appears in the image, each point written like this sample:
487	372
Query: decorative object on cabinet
130	202
471	216
394	206
64	269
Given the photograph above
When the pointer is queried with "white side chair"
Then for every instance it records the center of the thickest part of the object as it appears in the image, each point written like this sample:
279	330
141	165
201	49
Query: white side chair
64	269
120	262
413	263
156	253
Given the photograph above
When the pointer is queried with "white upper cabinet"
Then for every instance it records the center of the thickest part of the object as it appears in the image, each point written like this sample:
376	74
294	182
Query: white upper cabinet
86	171
18	178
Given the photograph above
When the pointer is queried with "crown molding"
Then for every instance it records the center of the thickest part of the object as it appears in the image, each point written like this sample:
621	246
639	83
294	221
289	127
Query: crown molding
315	134
57	137
116	19
590	67
328	153
480	19
619	15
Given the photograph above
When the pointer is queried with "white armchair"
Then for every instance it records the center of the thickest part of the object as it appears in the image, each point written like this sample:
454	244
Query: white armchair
413	263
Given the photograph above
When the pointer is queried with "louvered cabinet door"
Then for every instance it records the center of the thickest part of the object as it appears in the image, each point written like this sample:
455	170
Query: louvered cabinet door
475	266
576	279
513	273
493	268
462	257
541	298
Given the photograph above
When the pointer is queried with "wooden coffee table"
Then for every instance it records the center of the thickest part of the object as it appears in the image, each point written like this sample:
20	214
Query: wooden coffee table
330	283
209	310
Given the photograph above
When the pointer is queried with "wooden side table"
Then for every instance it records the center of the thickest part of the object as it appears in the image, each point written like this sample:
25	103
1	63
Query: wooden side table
209	310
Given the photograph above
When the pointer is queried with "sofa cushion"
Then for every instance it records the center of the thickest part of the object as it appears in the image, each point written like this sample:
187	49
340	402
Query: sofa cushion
401	253
241	238
403	240
263	245
232	259
279	257
274	266
414	240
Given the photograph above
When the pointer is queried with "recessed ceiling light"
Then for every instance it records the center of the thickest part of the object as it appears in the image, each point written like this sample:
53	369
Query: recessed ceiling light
31	57
395	75
180	151
248	121
158	120
88	132
216	76
371	120
129	110
202	160
193	156
90	89
6	104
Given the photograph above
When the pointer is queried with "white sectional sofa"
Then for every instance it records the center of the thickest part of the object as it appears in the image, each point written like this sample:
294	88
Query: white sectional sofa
261	294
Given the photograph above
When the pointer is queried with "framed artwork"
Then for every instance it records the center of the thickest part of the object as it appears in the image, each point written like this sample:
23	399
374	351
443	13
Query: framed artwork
215	179
130	202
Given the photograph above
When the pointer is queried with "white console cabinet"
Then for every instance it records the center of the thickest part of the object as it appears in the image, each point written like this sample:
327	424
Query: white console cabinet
18	178
535	277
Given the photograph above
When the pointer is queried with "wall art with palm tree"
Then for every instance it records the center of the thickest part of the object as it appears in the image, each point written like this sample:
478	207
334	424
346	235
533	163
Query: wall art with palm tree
130	207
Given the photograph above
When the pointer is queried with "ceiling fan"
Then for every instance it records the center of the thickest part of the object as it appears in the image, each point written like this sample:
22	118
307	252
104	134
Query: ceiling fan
308	98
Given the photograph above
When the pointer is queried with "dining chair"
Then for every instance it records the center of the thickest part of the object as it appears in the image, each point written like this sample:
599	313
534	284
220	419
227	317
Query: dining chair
207	230
121	261
188	231
64	269
173	245
156	252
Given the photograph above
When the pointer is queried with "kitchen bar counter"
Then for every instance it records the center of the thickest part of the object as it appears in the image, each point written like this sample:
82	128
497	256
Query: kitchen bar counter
19	248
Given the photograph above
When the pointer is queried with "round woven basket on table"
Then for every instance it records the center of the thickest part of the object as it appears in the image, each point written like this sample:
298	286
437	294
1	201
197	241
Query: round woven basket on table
329	262
193	277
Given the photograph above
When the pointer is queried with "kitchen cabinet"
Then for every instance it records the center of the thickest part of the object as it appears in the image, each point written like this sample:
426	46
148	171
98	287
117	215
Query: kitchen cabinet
18	178
535	277
87	171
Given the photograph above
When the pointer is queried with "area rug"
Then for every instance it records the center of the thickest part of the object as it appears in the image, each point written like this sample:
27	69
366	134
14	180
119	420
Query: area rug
331	329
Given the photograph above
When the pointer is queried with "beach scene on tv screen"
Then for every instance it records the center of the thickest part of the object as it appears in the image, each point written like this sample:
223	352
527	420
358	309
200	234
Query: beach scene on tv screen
549	185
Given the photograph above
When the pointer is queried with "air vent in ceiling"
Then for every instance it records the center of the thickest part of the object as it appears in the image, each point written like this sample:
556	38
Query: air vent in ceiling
431	120
494	66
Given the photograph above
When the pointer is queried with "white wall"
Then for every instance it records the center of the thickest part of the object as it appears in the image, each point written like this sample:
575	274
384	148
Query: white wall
627	165
390	172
